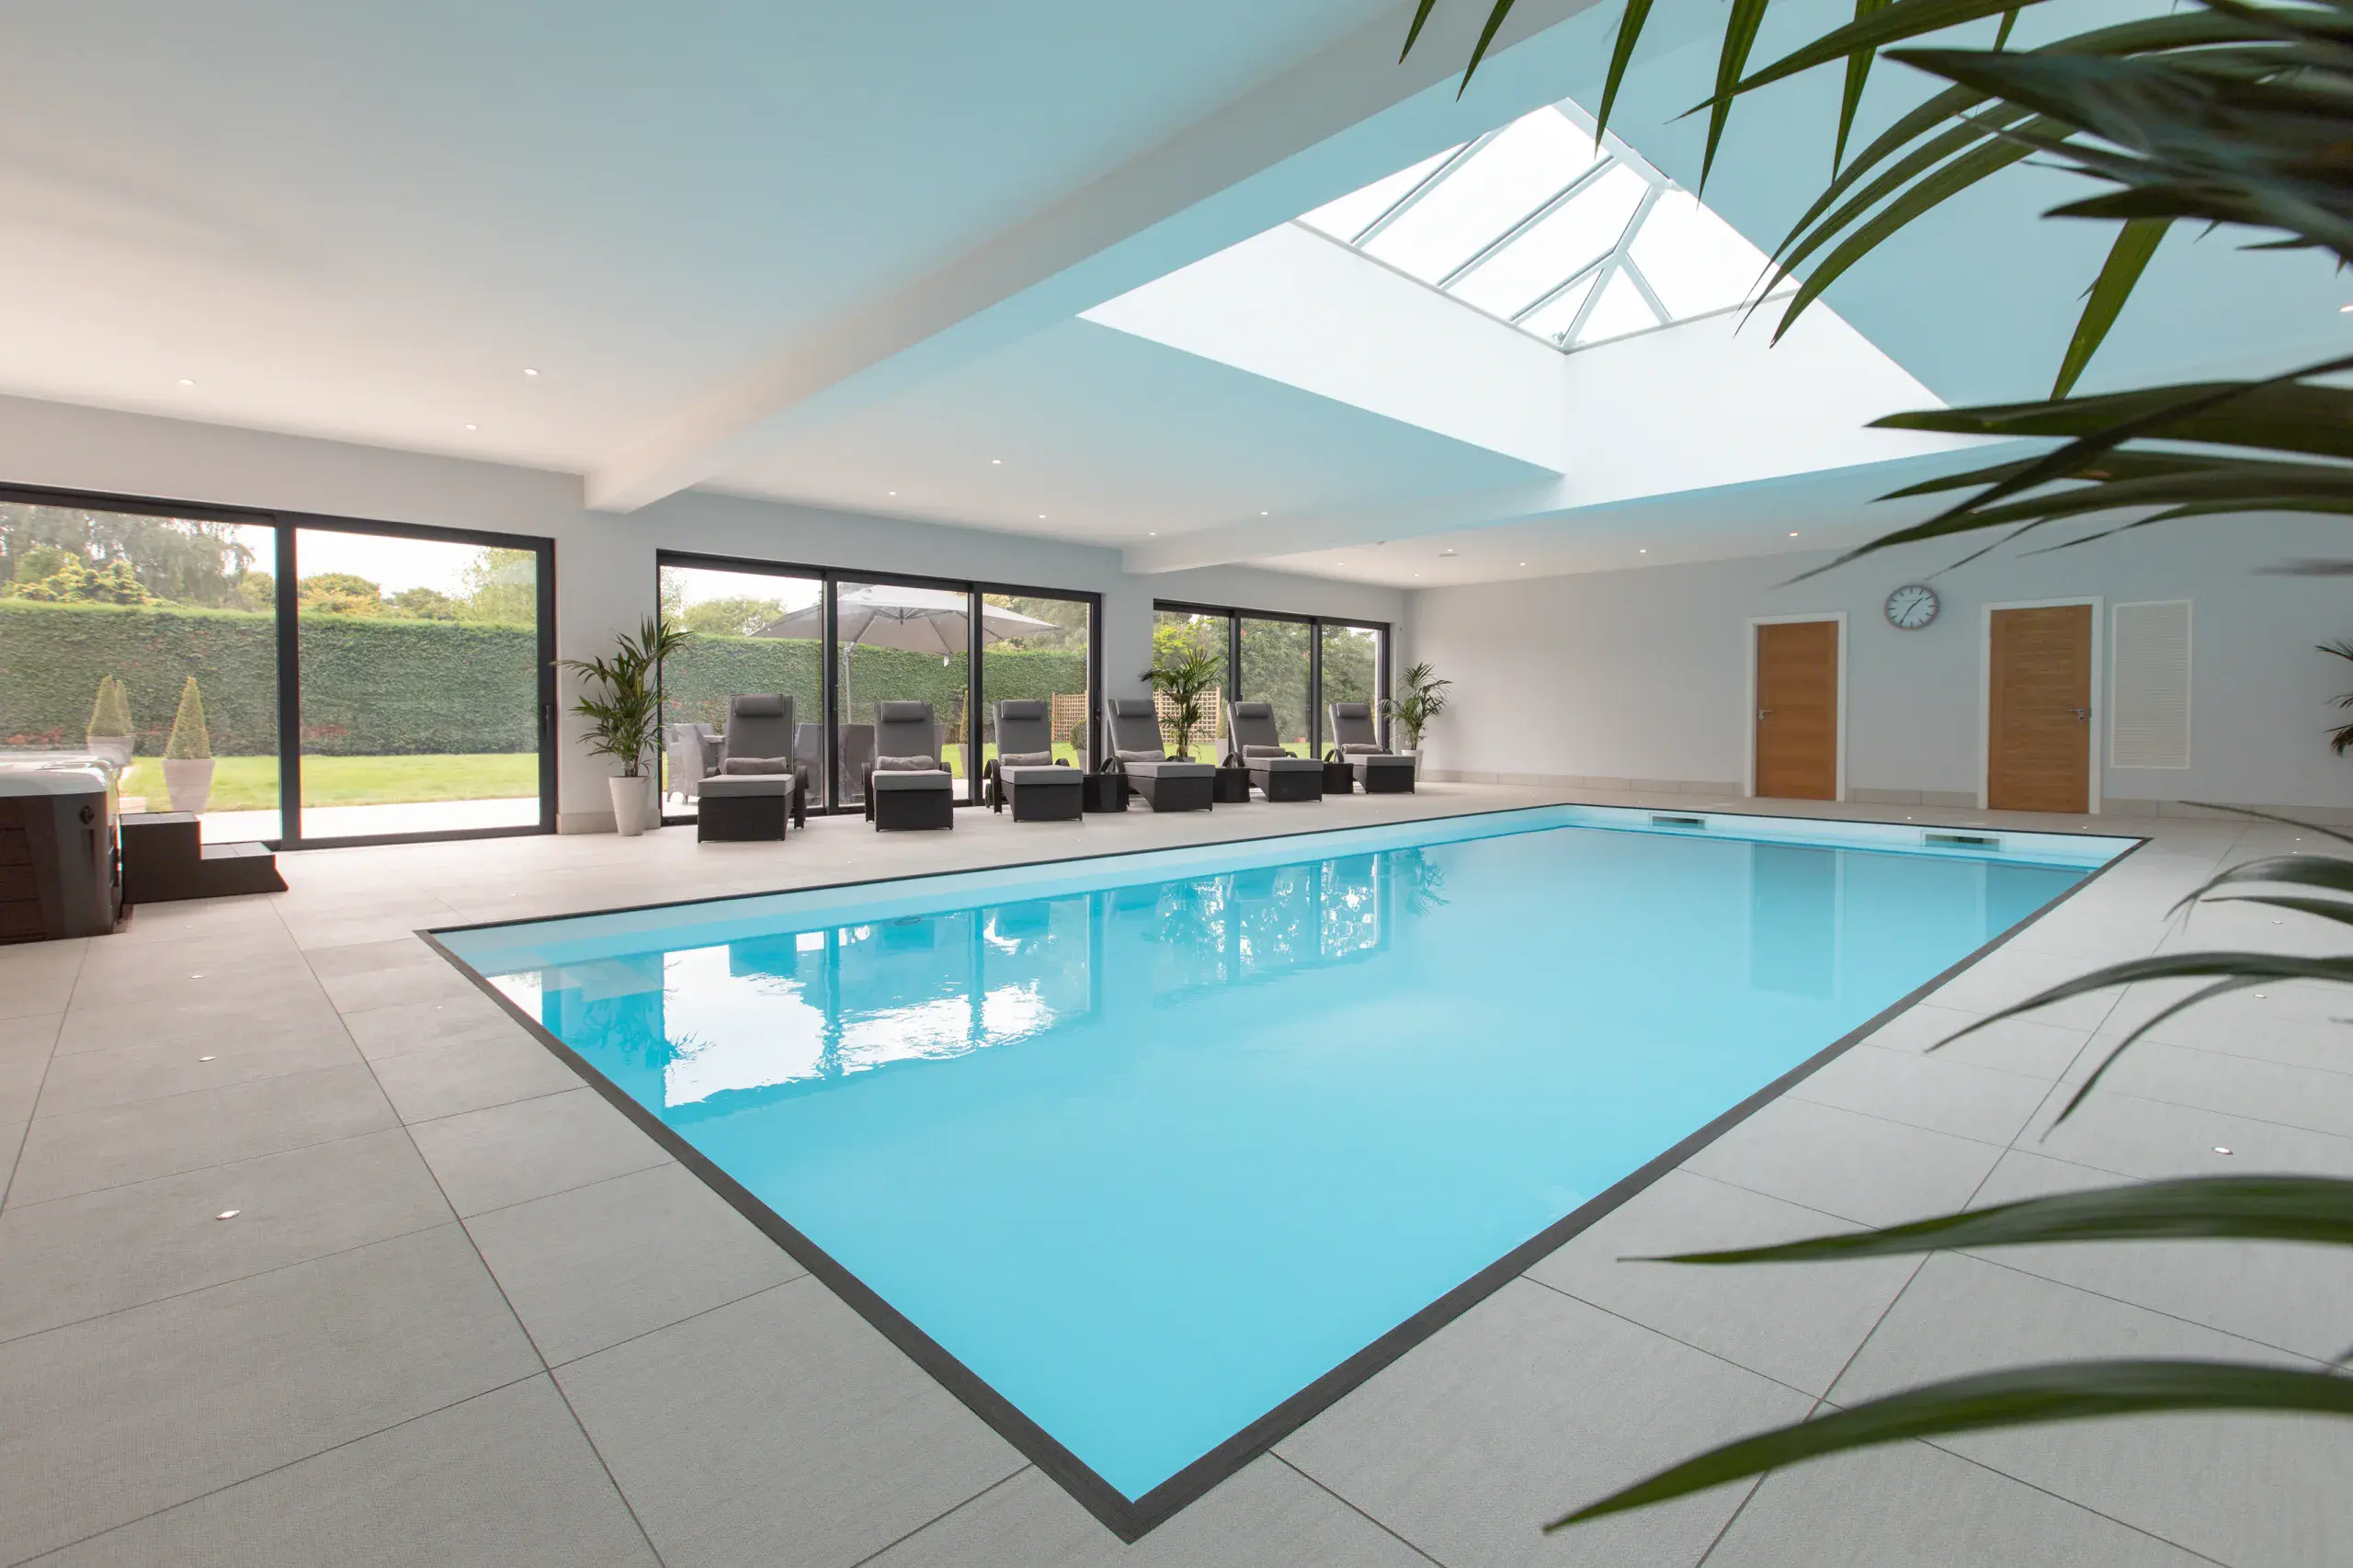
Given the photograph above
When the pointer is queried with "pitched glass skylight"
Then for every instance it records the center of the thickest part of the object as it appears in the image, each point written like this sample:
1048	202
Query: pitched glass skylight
1536	225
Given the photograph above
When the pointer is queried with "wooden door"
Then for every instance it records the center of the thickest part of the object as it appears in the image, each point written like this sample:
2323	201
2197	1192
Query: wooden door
1797	709
2039	710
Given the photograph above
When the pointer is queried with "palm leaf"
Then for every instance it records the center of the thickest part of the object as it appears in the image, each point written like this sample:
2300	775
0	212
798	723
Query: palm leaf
1631	23
1858	70
2317	1210
2022	1396
1414	33
1740	36
2289	415
2136	241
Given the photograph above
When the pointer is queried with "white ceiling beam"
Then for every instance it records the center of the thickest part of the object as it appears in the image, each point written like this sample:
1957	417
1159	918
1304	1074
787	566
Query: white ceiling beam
1187	197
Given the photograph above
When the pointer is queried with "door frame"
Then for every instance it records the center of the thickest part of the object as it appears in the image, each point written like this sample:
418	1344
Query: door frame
1748	712
2099	607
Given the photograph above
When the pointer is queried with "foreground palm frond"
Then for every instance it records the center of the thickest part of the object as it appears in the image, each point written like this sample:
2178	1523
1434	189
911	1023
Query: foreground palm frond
2021	1396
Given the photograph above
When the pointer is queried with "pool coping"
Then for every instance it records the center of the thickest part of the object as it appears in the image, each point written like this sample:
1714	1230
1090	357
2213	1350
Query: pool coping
1132	1520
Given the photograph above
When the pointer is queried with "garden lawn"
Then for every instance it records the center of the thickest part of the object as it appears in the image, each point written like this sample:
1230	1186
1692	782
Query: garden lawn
250	783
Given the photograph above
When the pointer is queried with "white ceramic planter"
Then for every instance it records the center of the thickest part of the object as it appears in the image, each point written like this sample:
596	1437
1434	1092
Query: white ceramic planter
1416	755
189	781
636	807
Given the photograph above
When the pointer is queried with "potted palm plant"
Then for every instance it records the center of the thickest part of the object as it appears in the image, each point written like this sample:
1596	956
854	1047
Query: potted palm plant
1420	697
188	755
623	708
1184	673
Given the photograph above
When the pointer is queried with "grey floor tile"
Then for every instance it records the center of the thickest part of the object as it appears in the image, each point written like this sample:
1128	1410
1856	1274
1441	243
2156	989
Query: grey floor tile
2112	1131
505	1479
2255	1491
1523	1408
1914	1504
1795	1322
397	987
784	1417
471	1076
2014	1045
601	1264
237	949
2291	1297
89	1080
113	1418
1863	1168
179	919
296	1009
380	957
432	1025
2011	975
225	979
30	1038
2275	1029
510	1153
31	994
12	1138
1935	1091
2317	1099
84	1151
101	1252
1267	1516
20	1086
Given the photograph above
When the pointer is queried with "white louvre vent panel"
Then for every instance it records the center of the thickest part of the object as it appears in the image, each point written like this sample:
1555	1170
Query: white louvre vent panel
2150	709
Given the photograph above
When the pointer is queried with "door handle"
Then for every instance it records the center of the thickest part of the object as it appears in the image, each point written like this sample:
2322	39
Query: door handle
2083	713
1762	712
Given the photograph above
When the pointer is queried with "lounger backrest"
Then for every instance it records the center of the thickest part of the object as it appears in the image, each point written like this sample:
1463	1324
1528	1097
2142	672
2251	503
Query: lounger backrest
1251	724
1135	724
759	726
1352	725
905	728
1024	727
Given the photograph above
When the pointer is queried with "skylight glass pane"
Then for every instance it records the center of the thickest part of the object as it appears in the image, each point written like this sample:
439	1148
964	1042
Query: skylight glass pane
1558	315
1621	309
1694	260
1497	186
1354	214
1585	229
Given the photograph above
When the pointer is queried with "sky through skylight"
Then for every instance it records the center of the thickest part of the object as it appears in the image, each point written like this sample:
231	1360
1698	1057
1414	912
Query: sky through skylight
1537	226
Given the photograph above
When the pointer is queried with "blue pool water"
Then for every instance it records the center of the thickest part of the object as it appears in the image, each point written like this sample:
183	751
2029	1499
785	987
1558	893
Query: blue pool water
1150	1142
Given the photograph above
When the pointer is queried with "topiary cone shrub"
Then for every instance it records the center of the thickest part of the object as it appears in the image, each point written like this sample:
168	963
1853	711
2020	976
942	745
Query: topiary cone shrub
110	733
188	755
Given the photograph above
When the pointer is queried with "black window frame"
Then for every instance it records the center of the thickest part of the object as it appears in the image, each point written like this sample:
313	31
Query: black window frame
287	524
1234	615
830	579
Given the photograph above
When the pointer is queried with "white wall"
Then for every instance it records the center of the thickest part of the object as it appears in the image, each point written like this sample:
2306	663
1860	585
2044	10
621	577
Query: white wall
605	577
1644	675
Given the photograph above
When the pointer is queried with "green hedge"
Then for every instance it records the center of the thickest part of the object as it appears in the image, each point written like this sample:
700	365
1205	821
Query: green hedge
375	686
372	687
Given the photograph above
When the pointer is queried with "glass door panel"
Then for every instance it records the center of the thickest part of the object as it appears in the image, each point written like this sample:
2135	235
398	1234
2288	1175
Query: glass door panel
115	625
420	675
1034	647
1174	633
900	642
1349	671
755	632
1278	660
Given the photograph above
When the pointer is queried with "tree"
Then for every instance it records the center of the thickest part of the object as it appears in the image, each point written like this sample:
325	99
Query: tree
501	586
423	603
728	617
338	592
184	560
72	580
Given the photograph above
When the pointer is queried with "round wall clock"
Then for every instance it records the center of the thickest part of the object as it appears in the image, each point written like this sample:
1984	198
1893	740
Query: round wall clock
1912	606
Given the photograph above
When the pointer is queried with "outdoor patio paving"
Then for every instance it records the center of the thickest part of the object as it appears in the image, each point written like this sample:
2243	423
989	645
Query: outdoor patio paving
466	1313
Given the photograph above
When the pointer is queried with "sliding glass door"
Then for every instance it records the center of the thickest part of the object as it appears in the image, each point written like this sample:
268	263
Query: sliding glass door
1037	647
841	643
418	664
1298	664
755	631
1175	632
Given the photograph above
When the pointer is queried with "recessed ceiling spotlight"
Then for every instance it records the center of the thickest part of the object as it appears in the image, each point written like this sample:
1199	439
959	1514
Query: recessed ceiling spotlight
473	426
895	492
1645	550
529	371
186	381
1152	533
997	463
2345	310
1793	533
1262	514
1443	554
1041	517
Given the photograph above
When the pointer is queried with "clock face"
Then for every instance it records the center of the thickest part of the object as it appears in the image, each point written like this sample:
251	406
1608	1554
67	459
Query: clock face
1912	606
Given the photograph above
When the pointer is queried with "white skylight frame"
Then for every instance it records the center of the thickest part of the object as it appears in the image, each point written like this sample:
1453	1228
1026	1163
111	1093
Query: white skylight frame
1729	271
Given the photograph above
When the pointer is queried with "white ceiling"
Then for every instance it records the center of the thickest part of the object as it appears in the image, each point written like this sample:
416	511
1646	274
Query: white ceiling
825	253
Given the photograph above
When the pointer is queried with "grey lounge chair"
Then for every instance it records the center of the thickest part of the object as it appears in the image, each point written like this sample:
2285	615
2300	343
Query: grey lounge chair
1165	783
760	781
1358	744
692	751
1279	776
898	795
1024	774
